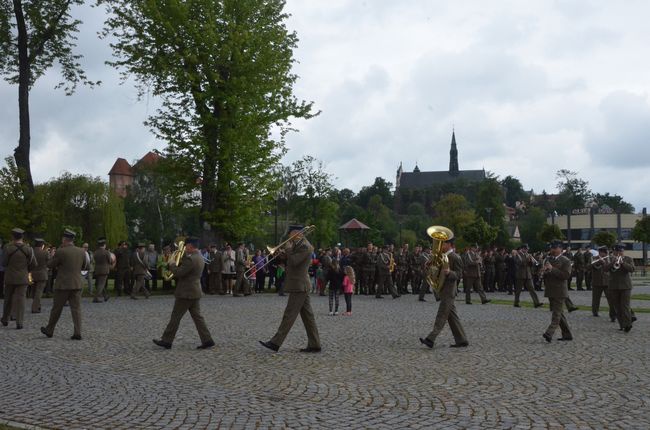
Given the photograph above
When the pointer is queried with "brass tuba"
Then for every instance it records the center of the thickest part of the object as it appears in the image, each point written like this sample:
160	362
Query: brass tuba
435	270
176	257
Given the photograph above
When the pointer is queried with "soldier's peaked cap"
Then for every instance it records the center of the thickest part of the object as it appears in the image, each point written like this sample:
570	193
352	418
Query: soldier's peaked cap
619	247
39	241
602	249
67	233
295	227
556	244
194	241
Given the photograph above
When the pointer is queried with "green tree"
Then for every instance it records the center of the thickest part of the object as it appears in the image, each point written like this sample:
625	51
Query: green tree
223	70
573	191
604	238
641	230
514	191
114	220
480	232
34	35
380	187
550	232
530	225
13	213
453	211
615	202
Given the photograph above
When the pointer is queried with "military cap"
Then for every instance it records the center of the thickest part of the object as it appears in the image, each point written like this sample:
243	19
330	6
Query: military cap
194	241
67	233
386	246
39	241
213	245
294	227
101	241
619	247
450	240
602	249
17	233
141	245
523	246
556	244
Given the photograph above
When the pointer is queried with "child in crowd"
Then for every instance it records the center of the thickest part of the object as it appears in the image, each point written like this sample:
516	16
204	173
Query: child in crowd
348	289
335	277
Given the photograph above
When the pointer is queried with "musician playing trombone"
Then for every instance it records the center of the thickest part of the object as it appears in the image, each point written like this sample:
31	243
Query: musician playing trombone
620	286
600	282
298	253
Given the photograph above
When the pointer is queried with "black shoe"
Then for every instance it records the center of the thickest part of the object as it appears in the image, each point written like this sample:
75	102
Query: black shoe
547	337
421	300
396	296
485	302
75	337
539	305
270	345
162	343
19	327
310	349
573	309
517	305
571	289
627	329
134	298
468	303
44	331
36	312
633	319
207	345
459	345
565	339
379	297
595	314
97	301
427	342
580	289
612	320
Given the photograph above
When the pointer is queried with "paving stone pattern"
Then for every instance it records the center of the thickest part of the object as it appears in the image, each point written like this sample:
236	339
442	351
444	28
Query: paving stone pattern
373	372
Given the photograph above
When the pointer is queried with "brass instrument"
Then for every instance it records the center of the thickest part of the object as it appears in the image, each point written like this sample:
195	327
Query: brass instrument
439	262
598	260
176	257
391	264
30	279
617	263
276	251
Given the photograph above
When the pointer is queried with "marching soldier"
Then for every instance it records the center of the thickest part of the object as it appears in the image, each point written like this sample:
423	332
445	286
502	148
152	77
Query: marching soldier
241	284
588	267
367	270
123	266
214	269
472	275
568	254
600	283
140	270
69	260
401	261
103	263
523	263
556	271
490	271
39	274
423	260
298	252
187	296
18	260
619	267
500	268
447	308
384	279
579	268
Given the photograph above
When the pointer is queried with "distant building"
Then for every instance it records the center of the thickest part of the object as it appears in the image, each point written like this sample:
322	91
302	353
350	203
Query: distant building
122	174
421	180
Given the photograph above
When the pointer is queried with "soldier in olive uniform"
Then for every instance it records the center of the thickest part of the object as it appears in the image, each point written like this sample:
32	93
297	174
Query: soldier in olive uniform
384	279
579	268
501	270
187	296
401	261
298	252
447	308
472	275
39	274
140	270
123	268
588	259
69	260
18	260
620	267
241	284
368	264
103	263
524	276
214	269
556	271
489	277
600	283
425	257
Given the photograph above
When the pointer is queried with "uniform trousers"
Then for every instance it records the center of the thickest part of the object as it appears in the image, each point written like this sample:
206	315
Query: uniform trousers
557	318
181	306
447	314
580	276
121	281
596	294
139	285
241	285
39	287
474	283
298	304
620	299
14	303
100	287
215	283
60	298
367	281
385	283
528	284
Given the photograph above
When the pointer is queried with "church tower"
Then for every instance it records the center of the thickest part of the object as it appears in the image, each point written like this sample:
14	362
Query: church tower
453	156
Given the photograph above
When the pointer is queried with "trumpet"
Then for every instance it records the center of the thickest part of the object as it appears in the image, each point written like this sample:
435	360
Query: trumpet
276	251
617	263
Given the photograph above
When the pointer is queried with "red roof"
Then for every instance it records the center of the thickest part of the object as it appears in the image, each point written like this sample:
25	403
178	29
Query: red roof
149	159
121	167
354	224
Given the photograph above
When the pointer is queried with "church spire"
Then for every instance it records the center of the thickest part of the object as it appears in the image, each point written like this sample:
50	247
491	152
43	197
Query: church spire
453	156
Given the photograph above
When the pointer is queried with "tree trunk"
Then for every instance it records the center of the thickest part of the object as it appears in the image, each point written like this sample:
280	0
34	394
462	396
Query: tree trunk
21	153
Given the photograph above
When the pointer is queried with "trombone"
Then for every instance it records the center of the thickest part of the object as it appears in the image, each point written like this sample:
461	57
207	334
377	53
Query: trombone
276	251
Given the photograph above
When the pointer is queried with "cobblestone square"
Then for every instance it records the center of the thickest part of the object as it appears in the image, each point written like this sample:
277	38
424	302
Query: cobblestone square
372	373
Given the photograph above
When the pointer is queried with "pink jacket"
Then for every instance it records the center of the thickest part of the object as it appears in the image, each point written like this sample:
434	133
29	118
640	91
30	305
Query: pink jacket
348	286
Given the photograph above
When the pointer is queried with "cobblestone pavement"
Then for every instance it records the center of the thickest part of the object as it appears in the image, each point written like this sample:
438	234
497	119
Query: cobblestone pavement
372	373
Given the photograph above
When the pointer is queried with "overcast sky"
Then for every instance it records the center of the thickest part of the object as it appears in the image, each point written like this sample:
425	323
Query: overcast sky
530	86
